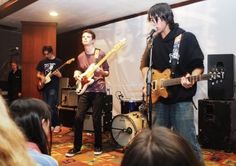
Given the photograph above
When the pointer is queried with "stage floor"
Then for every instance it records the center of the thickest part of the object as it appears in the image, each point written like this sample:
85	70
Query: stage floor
113	154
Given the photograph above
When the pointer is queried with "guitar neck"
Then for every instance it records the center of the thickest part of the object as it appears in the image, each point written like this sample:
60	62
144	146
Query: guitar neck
177	81
114	49
67	62
97	65
57	69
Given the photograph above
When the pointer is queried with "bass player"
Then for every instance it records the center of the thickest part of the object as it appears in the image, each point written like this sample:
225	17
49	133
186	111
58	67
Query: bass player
46	66
94	94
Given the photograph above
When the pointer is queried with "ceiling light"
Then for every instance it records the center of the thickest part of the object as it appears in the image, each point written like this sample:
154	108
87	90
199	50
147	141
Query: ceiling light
53	13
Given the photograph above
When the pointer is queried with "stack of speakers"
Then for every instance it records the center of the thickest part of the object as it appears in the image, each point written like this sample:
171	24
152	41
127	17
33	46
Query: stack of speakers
217	115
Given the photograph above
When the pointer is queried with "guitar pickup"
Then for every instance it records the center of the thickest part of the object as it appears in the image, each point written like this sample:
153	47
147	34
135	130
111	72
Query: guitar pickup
154	85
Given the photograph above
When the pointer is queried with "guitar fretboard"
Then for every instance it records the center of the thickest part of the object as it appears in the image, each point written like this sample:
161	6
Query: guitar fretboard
176	81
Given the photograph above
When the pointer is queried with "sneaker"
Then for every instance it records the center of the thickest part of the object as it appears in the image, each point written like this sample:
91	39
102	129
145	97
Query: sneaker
97	151
72	152
52	128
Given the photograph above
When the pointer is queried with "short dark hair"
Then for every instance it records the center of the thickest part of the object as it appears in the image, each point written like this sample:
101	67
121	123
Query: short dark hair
47	48
90	32
162	10
159	146
28	114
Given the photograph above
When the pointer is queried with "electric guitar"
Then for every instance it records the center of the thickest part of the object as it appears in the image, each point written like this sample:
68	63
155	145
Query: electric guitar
85	79
47	78
163	80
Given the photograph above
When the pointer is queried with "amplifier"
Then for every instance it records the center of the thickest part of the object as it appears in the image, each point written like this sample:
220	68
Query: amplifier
68	97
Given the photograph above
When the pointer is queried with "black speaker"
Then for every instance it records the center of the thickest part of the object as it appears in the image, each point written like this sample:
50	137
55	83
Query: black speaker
217	124
67	115
222	89
107	113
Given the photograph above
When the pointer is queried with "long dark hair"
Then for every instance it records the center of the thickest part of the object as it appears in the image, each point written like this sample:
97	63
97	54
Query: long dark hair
159	147
28	115
162	10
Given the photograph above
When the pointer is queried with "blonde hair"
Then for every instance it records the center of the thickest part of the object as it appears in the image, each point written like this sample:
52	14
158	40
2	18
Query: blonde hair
13	149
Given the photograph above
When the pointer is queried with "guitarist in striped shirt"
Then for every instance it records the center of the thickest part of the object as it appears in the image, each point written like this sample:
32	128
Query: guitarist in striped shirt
177	50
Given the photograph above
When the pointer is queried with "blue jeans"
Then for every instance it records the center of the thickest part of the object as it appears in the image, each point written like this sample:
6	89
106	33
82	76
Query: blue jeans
180	118
50	96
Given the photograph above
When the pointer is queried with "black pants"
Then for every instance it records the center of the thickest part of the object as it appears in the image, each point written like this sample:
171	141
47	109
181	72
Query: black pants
87	100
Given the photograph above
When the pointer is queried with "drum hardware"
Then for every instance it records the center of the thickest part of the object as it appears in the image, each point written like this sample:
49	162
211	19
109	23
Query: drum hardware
124	127
119	95
127	130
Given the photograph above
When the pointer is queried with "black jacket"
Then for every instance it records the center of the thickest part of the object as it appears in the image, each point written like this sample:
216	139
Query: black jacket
191	57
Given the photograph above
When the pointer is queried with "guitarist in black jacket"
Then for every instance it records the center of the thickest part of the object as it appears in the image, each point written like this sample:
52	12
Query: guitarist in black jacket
48	76
174	110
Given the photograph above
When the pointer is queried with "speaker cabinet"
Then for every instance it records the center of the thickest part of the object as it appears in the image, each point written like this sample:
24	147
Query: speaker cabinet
68	97
67	115
107	112
224	89
217	124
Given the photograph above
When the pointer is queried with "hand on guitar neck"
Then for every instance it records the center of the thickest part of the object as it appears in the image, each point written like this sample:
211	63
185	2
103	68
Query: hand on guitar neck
46	79
161	80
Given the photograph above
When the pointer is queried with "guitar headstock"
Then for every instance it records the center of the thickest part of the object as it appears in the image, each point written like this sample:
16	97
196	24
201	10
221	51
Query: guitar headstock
119	45
217	75
70	61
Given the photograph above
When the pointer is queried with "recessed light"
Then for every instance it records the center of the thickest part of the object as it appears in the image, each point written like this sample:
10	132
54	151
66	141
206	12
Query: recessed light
53	13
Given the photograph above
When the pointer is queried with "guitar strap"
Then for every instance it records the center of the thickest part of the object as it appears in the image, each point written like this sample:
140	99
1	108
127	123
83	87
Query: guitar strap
174	56
96	55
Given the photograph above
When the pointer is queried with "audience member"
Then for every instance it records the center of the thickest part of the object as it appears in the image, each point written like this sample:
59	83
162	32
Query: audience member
33	117
159	147
14	82
13	149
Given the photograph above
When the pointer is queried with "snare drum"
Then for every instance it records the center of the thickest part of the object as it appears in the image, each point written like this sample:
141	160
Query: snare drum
130	105
126	126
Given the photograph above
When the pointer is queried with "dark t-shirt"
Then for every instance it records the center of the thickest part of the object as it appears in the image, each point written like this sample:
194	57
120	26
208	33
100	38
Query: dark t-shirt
45	66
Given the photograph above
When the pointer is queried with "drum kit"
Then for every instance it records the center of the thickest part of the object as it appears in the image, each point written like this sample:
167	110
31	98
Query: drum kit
126	125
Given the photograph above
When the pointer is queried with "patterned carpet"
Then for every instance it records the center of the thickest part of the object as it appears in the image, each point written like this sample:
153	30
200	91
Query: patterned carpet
112	155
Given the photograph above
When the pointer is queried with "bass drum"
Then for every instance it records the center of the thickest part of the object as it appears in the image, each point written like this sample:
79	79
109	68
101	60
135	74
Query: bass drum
126	126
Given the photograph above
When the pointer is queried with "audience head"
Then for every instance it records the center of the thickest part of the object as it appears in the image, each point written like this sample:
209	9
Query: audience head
33	117
159	147
13	149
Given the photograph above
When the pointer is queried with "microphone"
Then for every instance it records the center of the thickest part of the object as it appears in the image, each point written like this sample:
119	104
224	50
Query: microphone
150	35
14	49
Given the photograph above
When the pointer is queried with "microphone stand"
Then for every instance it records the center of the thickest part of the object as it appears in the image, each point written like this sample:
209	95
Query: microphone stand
149	84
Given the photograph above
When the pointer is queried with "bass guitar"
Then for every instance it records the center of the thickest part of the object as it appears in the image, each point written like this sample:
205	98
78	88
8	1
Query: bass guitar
85	79
161	80
47	78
